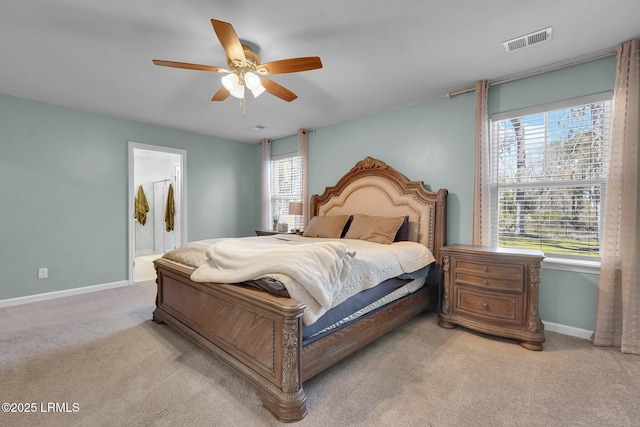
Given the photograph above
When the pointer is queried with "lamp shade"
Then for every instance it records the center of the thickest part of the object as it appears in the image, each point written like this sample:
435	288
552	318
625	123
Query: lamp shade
257	90
254	84
232	83
295	208
251	80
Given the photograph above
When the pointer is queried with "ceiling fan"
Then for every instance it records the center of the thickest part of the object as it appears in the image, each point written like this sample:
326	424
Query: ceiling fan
245	69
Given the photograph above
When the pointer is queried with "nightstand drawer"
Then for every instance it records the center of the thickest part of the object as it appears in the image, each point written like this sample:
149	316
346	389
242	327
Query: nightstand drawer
498	284
490	276
492	306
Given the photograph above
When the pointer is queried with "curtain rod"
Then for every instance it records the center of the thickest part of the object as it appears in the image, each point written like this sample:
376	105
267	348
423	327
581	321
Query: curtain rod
450	95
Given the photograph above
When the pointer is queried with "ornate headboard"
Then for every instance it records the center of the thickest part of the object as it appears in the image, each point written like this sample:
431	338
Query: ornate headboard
372	187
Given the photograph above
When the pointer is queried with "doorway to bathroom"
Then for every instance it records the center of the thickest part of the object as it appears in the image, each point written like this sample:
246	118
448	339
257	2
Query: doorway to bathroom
157	206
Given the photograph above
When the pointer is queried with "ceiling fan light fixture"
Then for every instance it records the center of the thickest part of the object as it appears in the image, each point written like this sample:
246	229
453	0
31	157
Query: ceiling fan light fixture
257	91
251	80
231	82
238	91
254	83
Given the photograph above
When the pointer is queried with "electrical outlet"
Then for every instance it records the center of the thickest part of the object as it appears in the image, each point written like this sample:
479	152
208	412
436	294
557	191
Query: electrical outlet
43	273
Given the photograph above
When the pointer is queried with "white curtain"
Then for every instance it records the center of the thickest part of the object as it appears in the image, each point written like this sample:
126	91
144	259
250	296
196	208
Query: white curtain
618	311
481	205
303	152
265	217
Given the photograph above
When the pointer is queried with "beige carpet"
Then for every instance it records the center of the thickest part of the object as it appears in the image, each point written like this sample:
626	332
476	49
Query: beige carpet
101	358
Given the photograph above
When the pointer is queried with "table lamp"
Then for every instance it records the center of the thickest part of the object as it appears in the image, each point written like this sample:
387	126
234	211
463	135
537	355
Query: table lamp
295	208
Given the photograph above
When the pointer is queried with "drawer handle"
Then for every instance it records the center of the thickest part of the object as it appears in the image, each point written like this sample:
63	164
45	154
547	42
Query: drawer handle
485	282
485	269
485	305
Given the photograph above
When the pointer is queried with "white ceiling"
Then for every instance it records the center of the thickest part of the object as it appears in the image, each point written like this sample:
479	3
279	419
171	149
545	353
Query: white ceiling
377	54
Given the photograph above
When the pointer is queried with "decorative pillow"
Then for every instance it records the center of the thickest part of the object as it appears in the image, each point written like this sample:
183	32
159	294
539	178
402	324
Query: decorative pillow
403	232
326	226
378	229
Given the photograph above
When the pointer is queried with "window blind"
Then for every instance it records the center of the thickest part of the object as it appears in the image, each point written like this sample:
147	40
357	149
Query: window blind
286	185
548	177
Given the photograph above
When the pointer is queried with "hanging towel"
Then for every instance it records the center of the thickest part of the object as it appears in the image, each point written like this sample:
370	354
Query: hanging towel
142	207
170	210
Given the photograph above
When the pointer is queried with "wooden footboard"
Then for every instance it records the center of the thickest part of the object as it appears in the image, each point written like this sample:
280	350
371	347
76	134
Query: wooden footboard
260	335
255	333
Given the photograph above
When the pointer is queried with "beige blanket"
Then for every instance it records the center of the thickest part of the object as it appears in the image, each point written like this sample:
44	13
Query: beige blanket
371	264
322	266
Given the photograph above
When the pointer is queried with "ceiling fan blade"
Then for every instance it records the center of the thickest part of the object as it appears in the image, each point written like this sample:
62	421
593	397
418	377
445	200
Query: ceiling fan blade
276	90
221	94
229	41
292	65
190	66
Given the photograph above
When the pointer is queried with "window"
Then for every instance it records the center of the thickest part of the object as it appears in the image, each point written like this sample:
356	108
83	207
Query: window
548	169
286	185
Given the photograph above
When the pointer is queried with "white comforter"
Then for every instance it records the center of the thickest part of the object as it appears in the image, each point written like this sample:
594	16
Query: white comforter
321	273
321	266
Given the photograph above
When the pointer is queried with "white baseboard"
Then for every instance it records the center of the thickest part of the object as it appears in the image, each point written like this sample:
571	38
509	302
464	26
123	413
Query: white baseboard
567	330
60	294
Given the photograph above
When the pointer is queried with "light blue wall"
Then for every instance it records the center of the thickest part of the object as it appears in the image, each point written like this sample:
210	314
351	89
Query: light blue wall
63	174
434	142
430	141
579	80
285	146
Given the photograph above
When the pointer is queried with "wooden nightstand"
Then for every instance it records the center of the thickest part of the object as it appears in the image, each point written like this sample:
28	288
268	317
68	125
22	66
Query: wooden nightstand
493	291
265	232
271	232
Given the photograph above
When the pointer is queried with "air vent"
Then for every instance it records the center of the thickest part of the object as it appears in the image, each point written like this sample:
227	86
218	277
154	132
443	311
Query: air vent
527	40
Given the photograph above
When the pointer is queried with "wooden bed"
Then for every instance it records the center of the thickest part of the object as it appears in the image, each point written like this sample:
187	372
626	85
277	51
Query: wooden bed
259	335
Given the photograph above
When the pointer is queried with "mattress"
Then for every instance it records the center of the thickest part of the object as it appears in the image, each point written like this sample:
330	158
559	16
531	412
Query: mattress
336	321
